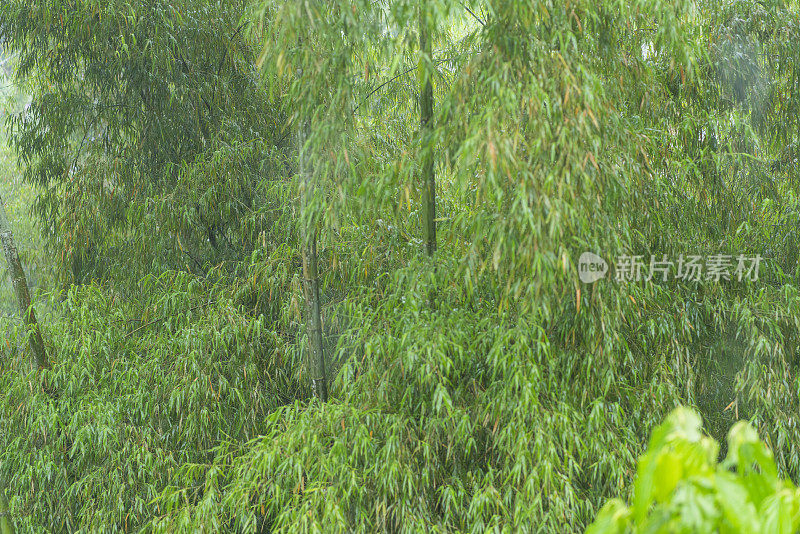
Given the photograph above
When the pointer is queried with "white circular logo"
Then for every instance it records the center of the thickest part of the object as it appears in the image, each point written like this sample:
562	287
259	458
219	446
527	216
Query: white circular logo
591	267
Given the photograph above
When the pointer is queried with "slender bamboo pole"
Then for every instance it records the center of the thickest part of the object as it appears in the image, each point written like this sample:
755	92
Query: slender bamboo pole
425	127
308	236
20	283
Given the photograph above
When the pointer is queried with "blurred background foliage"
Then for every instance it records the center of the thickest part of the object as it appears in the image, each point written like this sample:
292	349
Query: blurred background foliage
151	178
18	197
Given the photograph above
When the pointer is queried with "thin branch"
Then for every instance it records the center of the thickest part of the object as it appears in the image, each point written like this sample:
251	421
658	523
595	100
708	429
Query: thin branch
193	308
465	6
396	77
381	85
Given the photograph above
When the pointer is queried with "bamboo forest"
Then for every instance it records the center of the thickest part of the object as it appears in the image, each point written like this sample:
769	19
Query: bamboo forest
400	266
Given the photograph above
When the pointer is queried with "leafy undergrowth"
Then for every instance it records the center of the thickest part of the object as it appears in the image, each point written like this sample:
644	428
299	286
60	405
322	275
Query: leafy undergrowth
183	410
446	420
89	445
441	421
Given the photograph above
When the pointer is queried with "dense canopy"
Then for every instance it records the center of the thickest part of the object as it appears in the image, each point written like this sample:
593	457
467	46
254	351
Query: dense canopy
319	265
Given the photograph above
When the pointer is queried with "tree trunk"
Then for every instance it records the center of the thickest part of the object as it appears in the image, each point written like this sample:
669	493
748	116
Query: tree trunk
425	130
308	237
20	284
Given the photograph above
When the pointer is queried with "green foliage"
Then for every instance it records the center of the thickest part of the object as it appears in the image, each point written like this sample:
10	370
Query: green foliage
159	145
17	197
680	486
128	98
125	413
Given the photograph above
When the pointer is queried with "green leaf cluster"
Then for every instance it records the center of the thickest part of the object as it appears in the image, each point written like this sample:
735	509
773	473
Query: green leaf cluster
681	487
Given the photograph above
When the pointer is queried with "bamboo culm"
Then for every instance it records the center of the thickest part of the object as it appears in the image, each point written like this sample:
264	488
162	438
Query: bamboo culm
20	284
425	128
308	236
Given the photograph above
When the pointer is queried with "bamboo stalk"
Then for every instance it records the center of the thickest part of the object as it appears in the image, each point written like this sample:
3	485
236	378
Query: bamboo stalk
308	236
20	284
425	127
